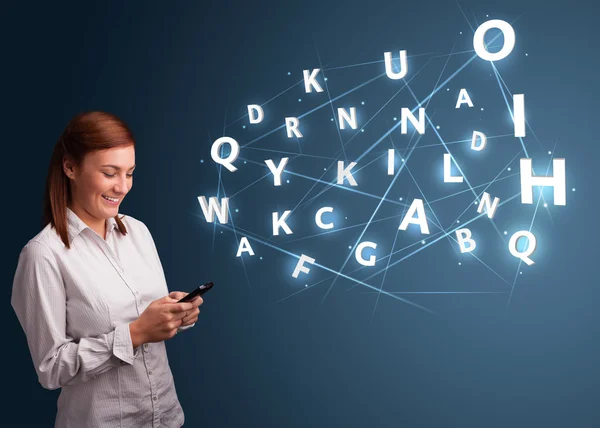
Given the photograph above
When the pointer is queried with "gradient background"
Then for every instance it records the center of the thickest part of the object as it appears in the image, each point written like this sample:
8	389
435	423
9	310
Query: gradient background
263	353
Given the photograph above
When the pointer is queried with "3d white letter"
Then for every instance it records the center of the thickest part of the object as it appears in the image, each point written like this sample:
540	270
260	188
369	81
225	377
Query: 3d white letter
235	151
448	178
463	98
244	247
310	81
345	173
343	117
509	40
463	236
531	245
277	171
407	114
490	207
557	181
391	157
280	222
482	138
252	108
519	114
300	266
389	69
213	206
359	257
421	219
291	125
319	215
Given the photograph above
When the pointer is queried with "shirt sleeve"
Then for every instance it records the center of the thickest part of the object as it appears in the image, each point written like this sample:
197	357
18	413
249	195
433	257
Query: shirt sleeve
161	271
39	301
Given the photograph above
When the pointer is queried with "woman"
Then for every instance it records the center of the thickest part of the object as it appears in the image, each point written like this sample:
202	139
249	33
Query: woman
90	291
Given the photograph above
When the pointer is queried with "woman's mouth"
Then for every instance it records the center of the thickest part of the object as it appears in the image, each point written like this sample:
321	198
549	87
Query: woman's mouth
111	201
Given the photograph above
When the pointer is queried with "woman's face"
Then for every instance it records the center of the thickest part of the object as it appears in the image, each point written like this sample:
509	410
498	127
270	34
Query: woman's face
100	183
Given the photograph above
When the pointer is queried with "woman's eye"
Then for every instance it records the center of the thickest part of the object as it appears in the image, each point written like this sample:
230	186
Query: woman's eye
111	176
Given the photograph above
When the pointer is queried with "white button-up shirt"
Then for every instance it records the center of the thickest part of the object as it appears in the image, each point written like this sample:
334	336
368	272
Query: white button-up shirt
75	306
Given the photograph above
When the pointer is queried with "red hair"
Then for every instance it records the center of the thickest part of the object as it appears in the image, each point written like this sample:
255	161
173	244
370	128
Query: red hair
86	133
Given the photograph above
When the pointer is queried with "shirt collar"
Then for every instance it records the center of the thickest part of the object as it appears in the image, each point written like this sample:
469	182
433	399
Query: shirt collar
75	225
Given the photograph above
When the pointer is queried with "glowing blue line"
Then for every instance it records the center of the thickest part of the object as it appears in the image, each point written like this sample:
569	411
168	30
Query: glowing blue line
375	62
455	163
331	104
441	292
316	108
463	13
292	153
373	215
237	240
250	235
339	230
442	237
349	189
530	227
388	262
387	102
468	190
499	76
330	184
462	141
508	106
267	102
490	183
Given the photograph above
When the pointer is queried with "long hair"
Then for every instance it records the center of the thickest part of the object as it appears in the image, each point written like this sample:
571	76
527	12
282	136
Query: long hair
87	132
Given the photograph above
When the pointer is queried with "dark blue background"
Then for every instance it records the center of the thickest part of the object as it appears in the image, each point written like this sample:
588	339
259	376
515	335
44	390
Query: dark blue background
177	72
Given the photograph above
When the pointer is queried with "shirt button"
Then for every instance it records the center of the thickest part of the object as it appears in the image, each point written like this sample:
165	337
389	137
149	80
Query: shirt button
149	371
155	398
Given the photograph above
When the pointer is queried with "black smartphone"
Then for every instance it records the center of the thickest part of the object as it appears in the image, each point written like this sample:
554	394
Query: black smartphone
197	292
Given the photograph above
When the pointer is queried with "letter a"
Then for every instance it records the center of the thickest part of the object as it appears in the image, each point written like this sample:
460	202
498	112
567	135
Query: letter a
244	247
463	98
421	219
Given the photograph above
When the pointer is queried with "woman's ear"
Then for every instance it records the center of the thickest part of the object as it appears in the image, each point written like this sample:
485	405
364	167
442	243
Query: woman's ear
69	167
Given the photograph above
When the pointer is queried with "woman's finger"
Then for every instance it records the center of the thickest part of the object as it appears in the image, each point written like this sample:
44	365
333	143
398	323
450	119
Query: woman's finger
191	318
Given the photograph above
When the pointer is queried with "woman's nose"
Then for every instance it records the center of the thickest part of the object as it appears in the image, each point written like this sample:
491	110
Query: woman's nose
121	186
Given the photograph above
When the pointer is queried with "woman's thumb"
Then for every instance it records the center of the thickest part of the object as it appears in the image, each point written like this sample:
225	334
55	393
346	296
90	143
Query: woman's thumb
177	295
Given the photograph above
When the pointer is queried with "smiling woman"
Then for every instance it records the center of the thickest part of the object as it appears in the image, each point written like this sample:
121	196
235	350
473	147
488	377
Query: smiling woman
96	155
90	291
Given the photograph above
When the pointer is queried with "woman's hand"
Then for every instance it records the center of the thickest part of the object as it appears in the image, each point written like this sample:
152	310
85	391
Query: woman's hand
192	316
160	320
